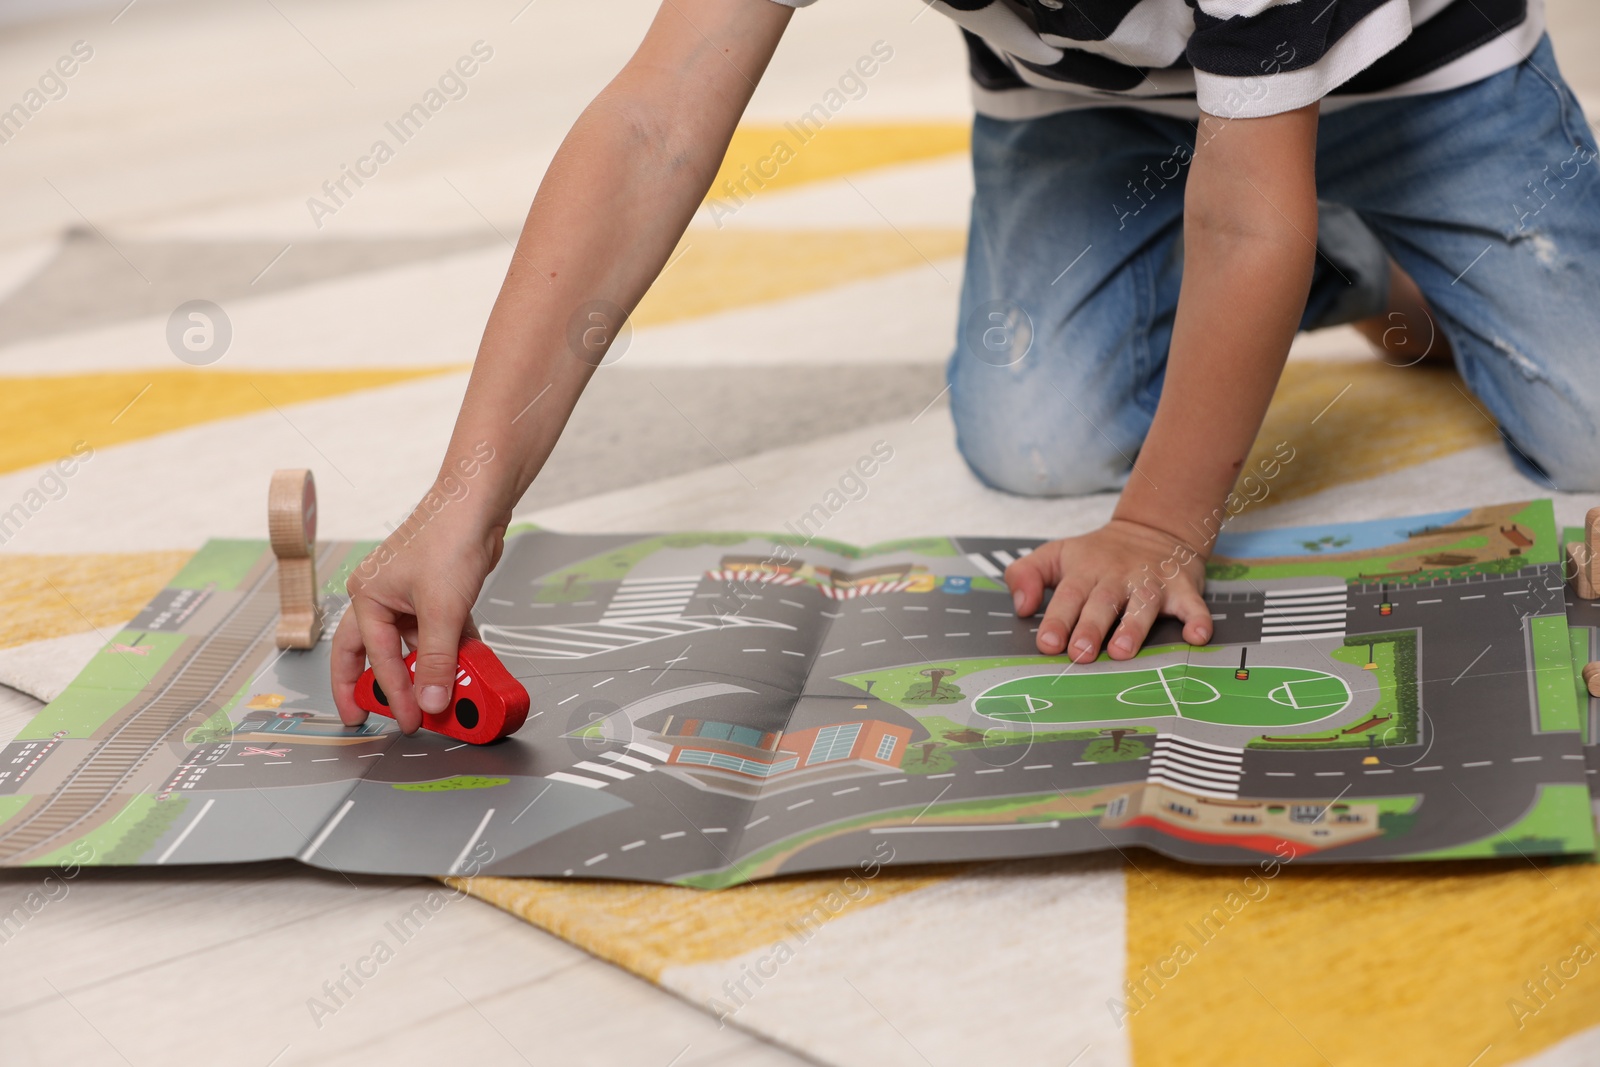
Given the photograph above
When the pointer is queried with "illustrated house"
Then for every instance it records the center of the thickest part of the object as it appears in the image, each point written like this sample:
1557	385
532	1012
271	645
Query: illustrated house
741	759
1260	825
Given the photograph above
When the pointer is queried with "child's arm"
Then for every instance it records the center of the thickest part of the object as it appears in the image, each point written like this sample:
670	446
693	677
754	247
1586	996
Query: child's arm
1250	227
613	204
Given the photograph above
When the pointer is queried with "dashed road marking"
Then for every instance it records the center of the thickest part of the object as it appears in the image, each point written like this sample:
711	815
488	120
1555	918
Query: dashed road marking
991	770
1434	768
842	792
1038	766
1526	759
758	822
1330	774
1479	763
675	833
1280	774
801	804
893	781
631	845
947	774
592	860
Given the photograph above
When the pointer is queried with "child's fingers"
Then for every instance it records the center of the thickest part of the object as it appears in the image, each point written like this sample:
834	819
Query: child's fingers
1191	609
380	633
349	659
1137	618
1094	622
439	627
1059	619
1029	576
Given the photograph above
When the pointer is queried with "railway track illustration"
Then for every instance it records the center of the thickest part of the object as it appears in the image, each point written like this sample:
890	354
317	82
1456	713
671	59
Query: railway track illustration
195	686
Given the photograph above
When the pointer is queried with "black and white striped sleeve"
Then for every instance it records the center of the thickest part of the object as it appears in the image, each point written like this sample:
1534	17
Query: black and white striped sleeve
1253	58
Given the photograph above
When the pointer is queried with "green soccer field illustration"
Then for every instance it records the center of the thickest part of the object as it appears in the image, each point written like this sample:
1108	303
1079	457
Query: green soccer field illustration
1266	696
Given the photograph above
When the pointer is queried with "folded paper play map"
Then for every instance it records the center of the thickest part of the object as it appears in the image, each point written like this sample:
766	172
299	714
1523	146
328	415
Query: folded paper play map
711	708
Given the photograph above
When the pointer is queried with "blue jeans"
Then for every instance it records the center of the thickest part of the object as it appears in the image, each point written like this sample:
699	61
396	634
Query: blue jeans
1486	195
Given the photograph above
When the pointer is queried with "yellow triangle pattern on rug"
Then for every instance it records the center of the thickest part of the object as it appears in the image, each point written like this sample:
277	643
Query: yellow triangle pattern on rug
761	158
1403	966
649	928
46	417
719	270
52	595
1348	421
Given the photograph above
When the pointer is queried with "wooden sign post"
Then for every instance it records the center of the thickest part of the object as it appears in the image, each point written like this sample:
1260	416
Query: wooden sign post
292	527
1583	558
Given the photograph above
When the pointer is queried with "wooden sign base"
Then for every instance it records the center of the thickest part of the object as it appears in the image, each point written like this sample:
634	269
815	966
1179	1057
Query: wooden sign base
292	528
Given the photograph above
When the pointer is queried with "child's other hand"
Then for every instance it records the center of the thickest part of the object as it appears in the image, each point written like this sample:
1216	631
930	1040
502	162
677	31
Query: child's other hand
417	587
1123	569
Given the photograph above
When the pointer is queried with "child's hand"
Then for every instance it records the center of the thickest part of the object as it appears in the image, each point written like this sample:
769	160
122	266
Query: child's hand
1124	568
418	587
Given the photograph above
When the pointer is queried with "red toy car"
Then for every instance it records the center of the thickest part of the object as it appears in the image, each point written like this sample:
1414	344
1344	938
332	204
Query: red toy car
488	703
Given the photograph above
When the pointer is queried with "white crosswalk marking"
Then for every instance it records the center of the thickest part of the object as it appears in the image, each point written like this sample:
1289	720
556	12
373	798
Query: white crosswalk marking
983	563
626	761
1196	766
600	768
580	640
994	562
575	779
645	598
1294	614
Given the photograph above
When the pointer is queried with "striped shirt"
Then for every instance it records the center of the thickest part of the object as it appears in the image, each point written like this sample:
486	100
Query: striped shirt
1232	58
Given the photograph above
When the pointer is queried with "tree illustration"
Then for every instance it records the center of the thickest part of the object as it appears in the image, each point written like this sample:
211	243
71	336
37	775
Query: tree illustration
935	690
937	675
1107	750
1116	736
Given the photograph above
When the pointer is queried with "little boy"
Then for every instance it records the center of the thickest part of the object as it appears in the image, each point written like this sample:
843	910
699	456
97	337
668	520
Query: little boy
1166	191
